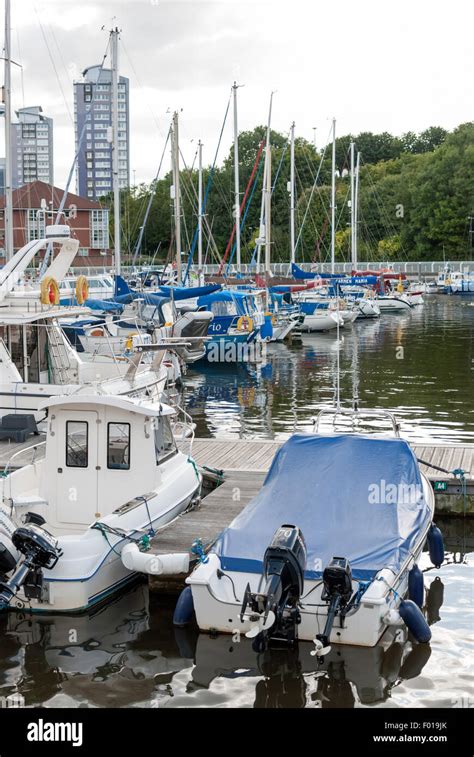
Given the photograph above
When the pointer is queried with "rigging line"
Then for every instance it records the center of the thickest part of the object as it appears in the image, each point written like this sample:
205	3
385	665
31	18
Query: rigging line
389	225
312	192
208	188
247	208
54	65
153	189
20	61
125	49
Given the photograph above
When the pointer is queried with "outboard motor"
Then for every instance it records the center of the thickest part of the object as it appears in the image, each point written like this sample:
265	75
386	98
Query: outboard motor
337	591
274	611
41	550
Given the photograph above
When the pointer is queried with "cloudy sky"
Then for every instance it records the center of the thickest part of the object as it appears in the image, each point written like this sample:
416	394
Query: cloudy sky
378	66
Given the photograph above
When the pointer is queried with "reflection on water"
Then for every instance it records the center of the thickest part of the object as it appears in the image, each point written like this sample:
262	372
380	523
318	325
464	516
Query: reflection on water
129	654
417	364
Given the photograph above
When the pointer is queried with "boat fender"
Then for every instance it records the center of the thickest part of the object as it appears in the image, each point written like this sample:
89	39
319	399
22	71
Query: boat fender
416	587
154	565
436	545
184	608
415	621
415	661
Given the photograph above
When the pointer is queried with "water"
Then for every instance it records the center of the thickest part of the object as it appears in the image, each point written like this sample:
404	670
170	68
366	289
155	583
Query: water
128	654
418	364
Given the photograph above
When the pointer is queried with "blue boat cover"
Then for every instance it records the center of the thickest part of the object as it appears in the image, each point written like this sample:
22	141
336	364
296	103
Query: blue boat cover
353	496
185	293
298	273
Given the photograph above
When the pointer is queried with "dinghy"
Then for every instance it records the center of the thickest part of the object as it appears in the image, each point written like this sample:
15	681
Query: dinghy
328	548
76	525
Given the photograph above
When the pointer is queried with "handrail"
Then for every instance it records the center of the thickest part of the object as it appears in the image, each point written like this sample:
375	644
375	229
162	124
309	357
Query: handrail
21	452
354	413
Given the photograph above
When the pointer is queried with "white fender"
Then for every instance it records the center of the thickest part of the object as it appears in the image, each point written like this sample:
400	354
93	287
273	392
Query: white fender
392	618
155	565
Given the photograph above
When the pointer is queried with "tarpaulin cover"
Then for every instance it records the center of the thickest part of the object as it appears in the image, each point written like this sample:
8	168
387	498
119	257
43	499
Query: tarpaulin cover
339	490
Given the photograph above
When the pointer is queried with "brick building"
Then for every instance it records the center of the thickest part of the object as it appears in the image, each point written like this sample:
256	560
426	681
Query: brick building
35	206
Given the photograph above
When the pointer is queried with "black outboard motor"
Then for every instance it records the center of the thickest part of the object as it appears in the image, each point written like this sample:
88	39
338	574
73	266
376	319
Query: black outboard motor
337	591
275	610
41	550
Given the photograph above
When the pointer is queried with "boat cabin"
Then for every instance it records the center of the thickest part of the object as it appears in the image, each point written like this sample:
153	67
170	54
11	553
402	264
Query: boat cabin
102	454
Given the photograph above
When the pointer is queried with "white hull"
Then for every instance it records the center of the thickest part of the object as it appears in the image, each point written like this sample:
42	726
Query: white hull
393	304
321	322
368	308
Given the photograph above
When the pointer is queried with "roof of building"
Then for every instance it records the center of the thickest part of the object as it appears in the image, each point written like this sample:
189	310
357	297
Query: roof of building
30	196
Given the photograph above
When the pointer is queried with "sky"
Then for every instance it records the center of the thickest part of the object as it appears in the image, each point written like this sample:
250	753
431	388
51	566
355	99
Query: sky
375	66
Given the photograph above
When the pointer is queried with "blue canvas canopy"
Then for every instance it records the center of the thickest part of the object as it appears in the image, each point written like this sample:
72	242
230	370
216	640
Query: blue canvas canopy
240	300
339	491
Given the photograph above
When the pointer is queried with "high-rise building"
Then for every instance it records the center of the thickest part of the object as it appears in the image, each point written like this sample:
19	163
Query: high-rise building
93	109
32	147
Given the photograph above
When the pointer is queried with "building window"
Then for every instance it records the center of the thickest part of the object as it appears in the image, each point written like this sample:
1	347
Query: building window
77	443
118	446
36	224
99	229
83	252
87	93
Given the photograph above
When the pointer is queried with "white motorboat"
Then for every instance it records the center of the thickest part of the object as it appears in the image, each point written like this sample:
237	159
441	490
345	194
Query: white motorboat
329	547
75	526
38	361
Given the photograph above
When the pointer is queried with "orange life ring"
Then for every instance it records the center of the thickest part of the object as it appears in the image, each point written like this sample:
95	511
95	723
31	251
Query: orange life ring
49	291
245	323
82	289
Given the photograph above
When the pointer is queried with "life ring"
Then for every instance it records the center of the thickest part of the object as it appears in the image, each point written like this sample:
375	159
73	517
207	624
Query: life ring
244	323
49	291
82	289
96	332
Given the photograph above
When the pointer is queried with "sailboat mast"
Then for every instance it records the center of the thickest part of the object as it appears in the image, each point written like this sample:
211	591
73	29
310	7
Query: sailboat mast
268	208
236	181
200	213
333	199
8	146
176	196
355	260
292	193
268	190
114	34
352	204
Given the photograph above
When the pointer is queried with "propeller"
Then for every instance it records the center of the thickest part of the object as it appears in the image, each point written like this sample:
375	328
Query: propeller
320	649
260	623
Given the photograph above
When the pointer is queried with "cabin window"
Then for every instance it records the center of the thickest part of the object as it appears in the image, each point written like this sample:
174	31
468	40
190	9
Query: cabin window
165	445
118	446
77	444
